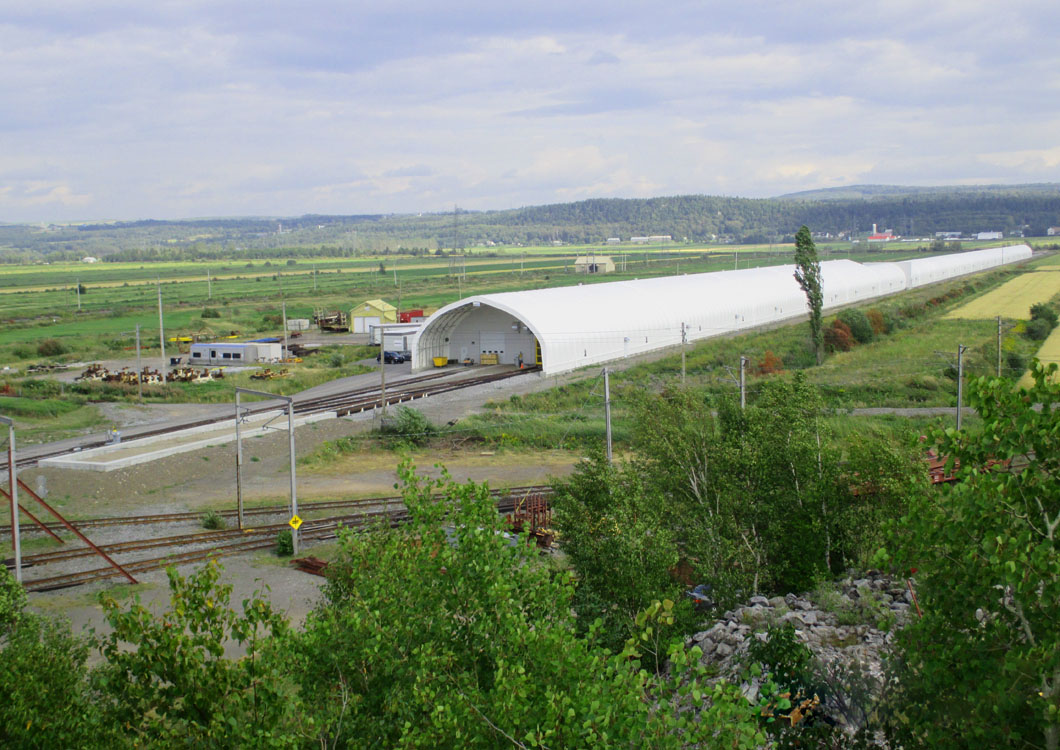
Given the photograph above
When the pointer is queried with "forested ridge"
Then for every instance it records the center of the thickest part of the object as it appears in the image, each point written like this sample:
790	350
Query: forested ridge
692	218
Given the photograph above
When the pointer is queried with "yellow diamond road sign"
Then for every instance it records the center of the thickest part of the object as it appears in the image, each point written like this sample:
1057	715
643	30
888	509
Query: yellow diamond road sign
295	522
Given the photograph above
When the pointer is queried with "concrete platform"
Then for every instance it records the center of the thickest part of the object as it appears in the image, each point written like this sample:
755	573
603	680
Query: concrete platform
143	450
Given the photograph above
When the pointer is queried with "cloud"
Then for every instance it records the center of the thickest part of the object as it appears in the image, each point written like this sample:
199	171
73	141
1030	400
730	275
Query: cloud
117	109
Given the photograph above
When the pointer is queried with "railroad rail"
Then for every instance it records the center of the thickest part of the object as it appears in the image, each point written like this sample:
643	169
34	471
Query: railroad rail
304	507
343	404
225	543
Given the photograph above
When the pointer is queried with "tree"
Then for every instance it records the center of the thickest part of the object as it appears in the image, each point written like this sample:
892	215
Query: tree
446	632
766	498
43	680
177	687
616	537
808	274
983	664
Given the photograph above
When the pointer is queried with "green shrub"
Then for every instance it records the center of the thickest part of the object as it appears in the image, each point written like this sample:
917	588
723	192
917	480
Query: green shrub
213	521
50	348
859	325
1016	361
23	351
789	662
208	312
408	427
285	543
1042	311
1038	329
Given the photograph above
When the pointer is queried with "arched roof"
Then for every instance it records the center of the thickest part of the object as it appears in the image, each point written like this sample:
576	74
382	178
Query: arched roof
586	324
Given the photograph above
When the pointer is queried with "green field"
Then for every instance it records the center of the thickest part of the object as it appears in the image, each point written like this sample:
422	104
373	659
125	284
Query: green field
908	367
42	301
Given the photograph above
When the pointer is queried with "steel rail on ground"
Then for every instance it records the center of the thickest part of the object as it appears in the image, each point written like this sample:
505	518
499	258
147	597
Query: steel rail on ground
345	403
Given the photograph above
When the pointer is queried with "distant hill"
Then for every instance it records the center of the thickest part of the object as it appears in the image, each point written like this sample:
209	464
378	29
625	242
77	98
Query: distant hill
909	211
866	192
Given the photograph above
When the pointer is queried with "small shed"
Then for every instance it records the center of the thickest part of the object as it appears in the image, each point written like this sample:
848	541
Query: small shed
594	264
371	312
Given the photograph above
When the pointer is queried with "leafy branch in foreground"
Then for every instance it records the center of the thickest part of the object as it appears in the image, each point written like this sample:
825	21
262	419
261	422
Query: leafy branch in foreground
983	664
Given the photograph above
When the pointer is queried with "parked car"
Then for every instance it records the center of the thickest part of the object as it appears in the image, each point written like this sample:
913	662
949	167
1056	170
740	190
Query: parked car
392	358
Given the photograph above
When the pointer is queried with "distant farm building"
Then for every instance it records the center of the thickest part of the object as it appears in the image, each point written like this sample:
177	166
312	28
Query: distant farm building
1053	231
370	313
885	236
948	235
565	328
594	264
230	353
651	240
89	259
989	235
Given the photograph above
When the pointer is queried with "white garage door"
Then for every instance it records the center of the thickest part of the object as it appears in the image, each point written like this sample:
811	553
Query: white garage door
361	325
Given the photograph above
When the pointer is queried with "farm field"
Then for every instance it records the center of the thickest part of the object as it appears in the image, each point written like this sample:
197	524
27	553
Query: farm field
1014	298
42	301
1049	353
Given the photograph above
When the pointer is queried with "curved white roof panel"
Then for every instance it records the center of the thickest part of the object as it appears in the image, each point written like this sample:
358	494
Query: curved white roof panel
588	324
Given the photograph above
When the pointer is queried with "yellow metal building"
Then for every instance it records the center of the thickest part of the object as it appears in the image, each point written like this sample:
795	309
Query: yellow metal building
371	312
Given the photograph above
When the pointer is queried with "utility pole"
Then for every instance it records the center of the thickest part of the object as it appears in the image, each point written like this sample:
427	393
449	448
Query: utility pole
314	277
743	382
139	367
16	539
286	351
161	332
209	285
294	492
382	373
607	413
960	382
239	458
684	340
999	346
239	466
79	295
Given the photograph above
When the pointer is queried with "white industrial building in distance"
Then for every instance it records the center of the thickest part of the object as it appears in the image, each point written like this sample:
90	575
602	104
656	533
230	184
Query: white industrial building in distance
569	327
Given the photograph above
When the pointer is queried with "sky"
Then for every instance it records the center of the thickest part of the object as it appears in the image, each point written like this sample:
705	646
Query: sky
123	110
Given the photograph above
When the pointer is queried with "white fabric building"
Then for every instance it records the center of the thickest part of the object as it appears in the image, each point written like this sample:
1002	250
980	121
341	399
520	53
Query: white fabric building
941	267
588	324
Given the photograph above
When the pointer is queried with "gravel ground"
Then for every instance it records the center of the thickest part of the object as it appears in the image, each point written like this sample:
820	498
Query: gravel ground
206	478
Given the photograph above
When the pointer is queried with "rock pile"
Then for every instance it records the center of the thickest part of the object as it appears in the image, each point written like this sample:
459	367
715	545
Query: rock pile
847	627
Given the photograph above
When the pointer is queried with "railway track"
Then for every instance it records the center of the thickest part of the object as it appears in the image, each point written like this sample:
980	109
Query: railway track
215	544
304	507
348	402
